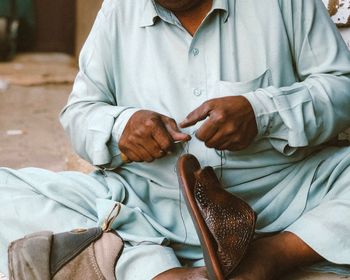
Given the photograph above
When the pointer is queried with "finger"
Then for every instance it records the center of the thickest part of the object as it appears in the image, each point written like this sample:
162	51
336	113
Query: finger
235	148
232	146
216	141
131	155
163	138
144	148
225	146
153	148
197	115
174	131
144	154
207	131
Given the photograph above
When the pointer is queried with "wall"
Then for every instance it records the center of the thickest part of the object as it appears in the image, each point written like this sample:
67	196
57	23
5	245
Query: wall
55	26
339	10
86	13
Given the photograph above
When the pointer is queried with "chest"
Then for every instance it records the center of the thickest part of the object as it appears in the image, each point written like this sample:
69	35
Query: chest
163	68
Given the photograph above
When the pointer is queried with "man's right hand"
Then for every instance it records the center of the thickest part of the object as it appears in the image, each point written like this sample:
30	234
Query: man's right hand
148	136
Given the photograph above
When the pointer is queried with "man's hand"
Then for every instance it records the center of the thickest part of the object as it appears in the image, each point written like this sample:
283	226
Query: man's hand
149	135
231	123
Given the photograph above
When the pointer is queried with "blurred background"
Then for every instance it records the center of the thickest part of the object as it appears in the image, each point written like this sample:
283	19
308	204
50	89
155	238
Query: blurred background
40	41
45	26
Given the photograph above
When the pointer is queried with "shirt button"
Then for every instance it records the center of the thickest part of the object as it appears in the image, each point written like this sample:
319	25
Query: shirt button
197	92
195	51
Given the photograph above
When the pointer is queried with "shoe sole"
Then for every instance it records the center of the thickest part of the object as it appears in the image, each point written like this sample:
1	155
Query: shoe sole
187	166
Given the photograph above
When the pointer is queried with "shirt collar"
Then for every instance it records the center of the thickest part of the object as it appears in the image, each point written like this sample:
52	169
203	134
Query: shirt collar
148	14
152	11
221	5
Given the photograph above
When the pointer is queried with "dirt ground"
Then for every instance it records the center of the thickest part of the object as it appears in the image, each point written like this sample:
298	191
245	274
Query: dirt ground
33	90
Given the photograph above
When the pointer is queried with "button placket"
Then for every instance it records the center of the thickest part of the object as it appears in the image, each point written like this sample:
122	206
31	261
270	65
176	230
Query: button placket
197	92
195	51
198	68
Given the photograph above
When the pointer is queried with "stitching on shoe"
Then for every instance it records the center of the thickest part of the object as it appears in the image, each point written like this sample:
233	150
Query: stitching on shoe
10	256
93	262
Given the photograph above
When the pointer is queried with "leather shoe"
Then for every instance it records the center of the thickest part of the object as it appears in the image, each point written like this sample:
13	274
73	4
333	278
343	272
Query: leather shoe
225	223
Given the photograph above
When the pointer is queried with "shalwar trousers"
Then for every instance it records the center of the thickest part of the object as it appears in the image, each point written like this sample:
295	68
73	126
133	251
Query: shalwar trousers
158	231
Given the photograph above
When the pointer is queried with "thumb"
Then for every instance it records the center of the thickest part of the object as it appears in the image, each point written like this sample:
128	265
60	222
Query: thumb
196	115
174	131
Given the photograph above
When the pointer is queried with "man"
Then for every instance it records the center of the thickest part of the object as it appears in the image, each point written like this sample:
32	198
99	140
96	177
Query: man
252	88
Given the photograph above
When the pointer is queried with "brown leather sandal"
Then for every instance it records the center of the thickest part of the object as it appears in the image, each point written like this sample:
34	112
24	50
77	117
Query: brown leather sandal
225	223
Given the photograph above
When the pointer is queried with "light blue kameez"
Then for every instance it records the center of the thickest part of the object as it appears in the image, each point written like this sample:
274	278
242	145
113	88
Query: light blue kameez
285	56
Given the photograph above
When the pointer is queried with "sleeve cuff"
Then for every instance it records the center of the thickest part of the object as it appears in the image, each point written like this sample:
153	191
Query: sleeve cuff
117	131
268	123
121	122
263	107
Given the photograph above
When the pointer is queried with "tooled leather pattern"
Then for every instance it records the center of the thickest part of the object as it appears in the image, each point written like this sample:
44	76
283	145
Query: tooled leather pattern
230	220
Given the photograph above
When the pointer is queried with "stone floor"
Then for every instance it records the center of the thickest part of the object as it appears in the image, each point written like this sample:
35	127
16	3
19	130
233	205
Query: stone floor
33	90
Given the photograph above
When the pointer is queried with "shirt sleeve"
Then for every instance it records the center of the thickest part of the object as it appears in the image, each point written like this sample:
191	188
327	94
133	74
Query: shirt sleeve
316	108
90	116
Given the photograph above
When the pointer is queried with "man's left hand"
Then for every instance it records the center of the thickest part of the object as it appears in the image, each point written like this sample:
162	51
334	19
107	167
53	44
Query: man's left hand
230	123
